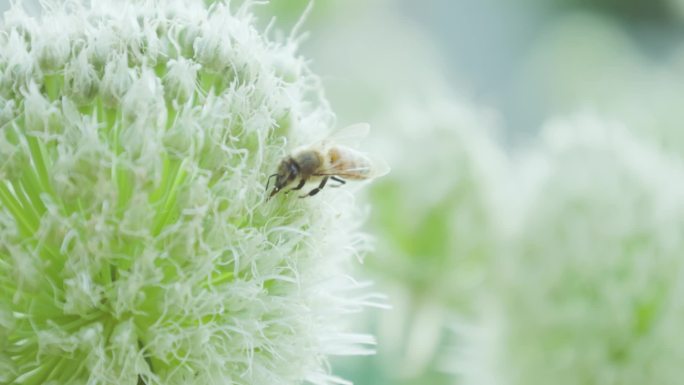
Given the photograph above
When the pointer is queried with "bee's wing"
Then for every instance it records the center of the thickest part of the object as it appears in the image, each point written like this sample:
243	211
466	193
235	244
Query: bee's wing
378	167
371	167
349	135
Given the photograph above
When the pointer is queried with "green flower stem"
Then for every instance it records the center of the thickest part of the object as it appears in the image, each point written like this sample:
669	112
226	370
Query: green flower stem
164	197
53	84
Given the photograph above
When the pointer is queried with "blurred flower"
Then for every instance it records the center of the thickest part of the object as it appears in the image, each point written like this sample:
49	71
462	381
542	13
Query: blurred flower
435	217
589	289
135	243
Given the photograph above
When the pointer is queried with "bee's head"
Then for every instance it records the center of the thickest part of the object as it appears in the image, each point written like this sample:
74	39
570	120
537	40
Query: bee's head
288	170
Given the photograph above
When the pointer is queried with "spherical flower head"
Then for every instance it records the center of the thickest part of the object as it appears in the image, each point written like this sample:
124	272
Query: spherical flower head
441	225
590	288
136	244
438	231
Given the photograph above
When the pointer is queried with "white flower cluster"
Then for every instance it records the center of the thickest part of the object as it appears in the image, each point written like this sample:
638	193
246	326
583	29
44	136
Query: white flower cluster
135	242
588	289
557	264
443	222
436	237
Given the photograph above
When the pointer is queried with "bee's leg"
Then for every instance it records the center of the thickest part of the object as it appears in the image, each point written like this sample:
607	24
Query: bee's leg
317	189
299	186
339	180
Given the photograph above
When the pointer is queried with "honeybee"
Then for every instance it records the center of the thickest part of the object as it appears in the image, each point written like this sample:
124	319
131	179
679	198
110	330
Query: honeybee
327	160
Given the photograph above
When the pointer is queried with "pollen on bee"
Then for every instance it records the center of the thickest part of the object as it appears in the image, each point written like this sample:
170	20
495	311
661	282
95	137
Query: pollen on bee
334	155
348	163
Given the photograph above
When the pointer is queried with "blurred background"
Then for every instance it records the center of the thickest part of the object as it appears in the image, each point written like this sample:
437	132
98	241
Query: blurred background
526	59
529	231
485	226
471	235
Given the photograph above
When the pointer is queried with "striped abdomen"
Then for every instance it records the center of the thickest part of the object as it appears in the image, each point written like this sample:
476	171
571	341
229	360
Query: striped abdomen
347	163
